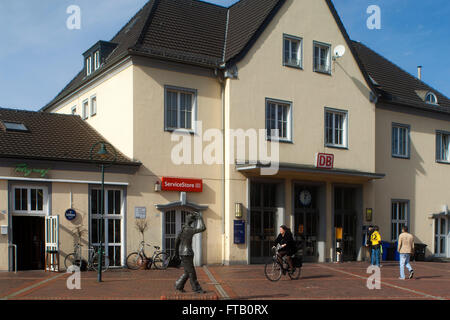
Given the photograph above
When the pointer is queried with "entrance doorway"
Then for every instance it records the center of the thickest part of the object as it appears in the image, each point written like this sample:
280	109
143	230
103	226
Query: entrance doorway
263	219
174	219
29	235
345	219
29	207
442	237
112	227
306	221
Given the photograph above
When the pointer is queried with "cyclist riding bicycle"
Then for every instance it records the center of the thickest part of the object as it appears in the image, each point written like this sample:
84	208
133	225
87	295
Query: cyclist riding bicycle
288	247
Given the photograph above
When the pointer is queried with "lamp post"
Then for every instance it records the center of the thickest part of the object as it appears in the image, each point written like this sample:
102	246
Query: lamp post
106	155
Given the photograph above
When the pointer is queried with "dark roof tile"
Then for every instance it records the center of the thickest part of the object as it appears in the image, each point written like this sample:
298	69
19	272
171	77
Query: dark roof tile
50	137
396	85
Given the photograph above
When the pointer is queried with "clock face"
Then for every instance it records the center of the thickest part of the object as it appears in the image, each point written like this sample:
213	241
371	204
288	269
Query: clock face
305	198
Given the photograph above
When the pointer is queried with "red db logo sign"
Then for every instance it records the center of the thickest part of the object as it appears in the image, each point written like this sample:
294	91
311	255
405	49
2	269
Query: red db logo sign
325	161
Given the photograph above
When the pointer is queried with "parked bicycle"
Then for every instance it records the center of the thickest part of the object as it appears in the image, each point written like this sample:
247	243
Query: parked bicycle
274	269
160	259
76	259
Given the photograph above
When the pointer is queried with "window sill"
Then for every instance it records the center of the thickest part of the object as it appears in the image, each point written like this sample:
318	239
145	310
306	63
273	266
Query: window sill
323	72
401	157
279	140
179	130
336	147
442	162
293	66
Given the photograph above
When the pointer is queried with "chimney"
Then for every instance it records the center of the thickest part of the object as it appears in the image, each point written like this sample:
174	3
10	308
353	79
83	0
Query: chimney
419	72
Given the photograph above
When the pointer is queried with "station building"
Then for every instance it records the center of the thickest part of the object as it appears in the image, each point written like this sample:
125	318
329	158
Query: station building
338	121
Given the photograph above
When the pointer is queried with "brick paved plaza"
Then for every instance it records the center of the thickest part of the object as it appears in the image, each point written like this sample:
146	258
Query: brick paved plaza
345	281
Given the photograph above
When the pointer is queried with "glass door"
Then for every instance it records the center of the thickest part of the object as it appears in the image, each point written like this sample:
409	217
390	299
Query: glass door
112	226
174	220
306	221
441	237
345	218
263	211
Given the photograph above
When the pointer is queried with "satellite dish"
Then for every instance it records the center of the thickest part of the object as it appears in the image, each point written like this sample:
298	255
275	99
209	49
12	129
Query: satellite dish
339	51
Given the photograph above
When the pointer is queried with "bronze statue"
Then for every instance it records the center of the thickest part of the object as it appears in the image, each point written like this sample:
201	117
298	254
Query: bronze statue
183	249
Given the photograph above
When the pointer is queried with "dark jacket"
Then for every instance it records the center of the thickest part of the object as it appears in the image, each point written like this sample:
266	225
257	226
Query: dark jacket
288	239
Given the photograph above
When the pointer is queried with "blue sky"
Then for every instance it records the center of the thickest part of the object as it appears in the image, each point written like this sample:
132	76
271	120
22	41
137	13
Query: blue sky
39	55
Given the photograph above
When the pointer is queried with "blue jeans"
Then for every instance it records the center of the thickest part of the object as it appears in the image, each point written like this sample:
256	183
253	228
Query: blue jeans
404	261
375	257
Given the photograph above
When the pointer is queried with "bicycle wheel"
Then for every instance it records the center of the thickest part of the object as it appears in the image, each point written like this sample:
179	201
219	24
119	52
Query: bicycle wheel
72	260
135	261
272	270
296	274
95	261
161	261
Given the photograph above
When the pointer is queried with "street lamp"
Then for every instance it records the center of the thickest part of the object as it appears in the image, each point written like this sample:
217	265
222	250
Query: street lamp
106	156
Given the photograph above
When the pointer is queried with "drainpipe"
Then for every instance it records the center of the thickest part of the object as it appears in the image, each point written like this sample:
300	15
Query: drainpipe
221	79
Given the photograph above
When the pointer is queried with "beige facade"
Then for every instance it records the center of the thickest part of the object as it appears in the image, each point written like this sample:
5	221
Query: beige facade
62	189
240	104
418	180
131	114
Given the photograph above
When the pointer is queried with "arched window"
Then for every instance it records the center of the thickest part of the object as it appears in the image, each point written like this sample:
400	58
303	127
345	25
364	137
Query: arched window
431	98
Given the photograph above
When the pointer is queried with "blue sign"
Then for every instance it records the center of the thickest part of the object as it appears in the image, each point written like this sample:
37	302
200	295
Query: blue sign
71	214
239	232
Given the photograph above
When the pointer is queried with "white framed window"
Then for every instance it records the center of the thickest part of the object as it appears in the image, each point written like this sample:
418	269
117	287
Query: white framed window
29	200
399	217
292	51
112	225
336	128
180	108
279	118
88	66
85	109
431	98
93	106
74	110
400	141
443	146
96	60
322	57
440	236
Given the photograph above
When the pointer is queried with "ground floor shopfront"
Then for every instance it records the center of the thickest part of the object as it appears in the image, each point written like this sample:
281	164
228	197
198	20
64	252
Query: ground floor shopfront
327	211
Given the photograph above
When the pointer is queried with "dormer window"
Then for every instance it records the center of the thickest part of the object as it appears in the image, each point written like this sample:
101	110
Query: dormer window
88	66
96	56
96	60
431	98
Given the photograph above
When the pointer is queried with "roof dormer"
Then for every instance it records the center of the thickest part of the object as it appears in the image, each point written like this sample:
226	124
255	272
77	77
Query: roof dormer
95	57
431	98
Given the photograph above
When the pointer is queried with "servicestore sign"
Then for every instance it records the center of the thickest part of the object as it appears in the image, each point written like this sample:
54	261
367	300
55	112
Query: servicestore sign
181	184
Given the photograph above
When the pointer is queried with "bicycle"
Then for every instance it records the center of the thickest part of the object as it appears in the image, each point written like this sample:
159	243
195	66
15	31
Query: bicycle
75	258
273	269
160	259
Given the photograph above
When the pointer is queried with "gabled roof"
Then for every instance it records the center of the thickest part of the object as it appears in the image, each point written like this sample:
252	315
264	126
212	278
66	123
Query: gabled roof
396	86
193	32
50	137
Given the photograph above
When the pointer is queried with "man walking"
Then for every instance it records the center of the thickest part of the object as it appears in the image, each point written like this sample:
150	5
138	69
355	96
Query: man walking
375	239
183	249
405	249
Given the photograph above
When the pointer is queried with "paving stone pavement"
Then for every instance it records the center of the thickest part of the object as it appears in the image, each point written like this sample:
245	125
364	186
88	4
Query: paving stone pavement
345	281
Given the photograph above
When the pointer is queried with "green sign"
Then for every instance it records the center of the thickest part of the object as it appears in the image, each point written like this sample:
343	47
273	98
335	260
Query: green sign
27	171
